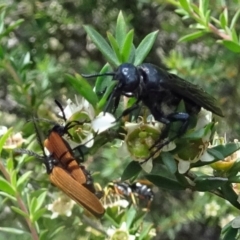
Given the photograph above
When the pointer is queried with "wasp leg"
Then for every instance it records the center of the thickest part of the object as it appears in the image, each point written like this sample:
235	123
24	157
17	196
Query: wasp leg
127	111
173	117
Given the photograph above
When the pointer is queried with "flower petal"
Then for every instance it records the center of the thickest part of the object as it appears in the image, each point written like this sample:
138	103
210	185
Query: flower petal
3	130
206	157
183	166
147	166
103	122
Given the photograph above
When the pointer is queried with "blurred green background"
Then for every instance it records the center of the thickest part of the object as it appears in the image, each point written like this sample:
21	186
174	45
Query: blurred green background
51	42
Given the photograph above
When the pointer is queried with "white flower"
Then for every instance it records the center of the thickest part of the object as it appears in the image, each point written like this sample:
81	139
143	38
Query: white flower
14	141
211	209
139	140
81	105
120	233
196	150
97	124
62	206
204	118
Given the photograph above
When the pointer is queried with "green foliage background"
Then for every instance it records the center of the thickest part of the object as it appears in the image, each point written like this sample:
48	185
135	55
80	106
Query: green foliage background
51	42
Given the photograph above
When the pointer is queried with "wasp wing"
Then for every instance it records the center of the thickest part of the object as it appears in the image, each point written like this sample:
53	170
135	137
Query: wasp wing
189	91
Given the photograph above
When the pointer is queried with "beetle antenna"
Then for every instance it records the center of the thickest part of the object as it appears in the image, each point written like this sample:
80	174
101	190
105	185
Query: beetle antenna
61	108
41	119
97	75
28	152
38	136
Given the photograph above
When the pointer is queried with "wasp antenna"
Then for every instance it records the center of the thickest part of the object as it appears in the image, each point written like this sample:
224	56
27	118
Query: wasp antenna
97	75
61	108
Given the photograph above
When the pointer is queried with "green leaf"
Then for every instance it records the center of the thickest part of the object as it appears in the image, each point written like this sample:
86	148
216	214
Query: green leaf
127	46
192	36
41	199
219	153
145	232
2	16
102	45
13	231
12	27
224	18
231	233
232	46
32	207
6	195
84	89
10	164
23	179
207	17
185	5
56	231
13	177
230	195
39	213
102	82
209	183
44	234
234	35
104	99
4	138
164	182
121	30
114	45
5	186
234	19
225	150
19	211
132	170
131	214
144	47
169	162
203	7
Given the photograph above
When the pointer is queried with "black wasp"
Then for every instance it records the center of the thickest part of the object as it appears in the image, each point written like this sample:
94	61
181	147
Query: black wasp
161	92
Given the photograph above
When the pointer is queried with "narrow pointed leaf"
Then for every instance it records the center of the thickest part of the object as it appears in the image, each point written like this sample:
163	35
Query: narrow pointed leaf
132	169
169	162
19	211
209	183
84	88
121	30
232	46
164	182
185	5
144	47
5	186
234	19
114	45
127	46
13	231
230	195
39	213
4	138
23	179
192	36
102	45
231	233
